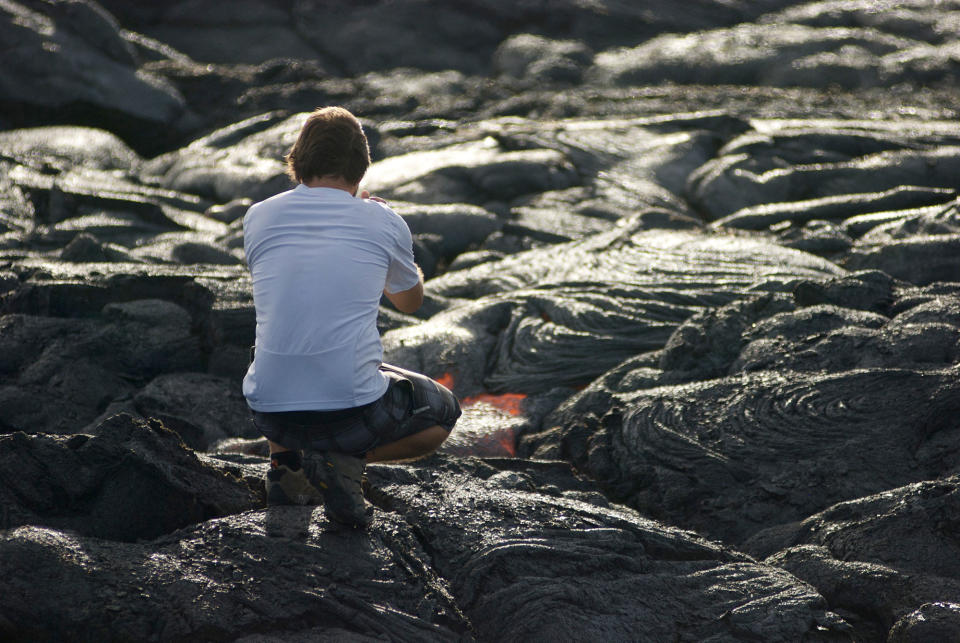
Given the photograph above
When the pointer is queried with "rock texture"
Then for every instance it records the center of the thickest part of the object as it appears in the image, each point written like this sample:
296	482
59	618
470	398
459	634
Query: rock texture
880	578
692	270
71	58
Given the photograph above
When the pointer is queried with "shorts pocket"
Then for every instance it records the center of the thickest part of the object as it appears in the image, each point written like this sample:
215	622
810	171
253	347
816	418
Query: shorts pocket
357	441
389	415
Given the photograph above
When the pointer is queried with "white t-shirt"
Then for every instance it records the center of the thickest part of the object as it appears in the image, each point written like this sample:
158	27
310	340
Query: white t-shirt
320	260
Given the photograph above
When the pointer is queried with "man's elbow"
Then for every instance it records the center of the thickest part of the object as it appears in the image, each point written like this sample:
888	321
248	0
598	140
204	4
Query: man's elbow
413	302
408	301
409	308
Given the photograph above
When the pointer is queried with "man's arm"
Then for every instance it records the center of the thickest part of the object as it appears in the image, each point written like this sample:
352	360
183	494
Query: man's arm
408	301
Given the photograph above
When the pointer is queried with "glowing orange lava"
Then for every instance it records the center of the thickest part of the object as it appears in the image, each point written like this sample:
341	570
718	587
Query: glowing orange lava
509	402
447	380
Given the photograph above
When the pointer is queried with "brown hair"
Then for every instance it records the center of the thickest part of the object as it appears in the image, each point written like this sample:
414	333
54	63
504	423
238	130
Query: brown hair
331	143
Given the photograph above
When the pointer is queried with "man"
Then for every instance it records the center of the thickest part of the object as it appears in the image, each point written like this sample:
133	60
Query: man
320	258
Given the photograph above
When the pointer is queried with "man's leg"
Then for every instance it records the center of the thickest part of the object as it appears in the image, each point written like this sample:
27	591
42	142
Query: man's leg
435	410
339	477
286	482
412	446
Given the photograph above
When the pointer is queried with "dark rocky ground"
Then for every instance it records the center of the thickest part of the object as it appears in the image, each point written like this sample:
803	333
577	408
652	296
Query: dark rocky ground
693	269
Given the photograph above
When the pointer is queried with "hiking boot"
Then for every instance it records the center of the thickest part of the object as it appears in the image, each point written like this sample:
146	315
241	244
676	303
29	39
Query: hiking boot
288	487
338	476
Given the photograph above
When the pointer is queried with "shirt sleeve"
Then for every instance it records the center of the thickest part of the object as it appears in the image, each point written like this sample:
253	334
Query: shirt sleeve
248	235
402	273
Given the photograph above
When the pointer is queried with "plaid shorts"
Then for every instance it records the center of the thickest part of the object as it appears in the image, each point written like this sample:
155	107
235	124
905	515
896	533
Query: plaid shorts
412	403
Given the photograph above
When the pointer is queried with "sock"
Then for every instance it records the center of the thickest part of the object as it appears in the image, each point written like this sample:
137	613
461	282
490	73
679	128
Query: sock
290	459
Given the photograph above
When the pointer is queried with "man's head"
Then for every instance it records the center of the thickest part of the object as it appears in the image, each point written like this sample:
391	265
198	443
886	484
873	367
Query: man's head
331	145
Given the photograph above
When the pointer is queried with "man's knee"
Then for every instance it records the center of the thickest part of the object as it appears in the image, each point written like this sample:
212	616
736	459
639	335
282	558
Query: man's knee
433	437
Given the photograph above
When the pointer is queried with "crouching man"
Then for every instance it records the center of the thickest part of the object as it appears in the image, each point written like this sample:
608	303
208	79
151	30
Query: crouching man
320	257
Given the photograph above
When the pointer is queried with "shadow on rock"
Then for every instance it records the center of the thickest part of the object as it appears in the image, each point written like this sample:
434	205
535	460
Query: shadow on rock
130	480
